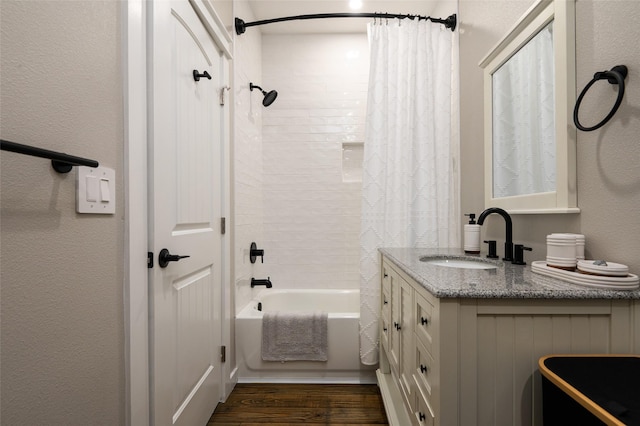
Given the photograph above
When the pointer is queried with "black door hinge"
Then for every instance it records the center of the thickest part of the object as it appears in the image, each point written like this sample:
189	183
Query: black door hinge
149	259
223	225
223	353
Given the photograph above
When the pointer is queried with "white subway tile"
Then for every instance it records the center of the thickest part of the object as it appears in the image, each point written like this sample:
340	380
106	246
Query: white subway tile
289	192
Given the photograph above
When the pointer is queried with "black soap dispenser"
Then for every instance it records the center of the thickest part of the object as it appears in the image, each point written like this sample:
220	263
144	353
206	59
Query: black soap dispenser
472	235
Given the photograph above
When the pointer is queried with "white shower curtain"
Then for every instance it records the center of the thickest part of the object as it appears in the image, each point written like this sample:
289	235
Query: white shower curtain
410	177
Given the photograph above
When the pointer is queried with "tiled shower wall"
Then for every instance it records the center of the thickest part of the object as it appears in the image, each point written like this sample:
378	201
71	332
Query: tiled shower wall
311	190
248	186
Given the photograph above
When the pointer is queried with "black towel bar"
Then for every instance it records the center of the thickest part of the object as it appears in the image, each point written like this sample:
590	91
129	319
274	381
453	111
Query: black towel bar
61	163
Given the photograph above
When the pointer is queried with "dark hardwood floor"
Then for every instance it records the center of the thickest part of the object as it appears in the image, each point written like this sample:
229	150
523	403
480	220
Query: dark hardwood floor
293	404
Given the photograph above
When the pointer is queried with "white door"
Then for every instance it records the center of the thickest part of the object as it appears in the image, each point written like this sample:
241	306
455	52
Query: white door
184	217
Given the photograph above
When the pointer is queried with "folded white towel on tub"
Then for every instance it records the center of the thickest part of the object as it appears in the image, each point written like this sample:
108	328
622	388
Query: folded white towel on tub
294	336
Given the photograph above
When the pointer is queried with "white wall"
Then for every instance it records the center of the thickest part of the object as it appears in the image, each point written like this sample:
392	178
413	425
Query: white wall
311	216
61	272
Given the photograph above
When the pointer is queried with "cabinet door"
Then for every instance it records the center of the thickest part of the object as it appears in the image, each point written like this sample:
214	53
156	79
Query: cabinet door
407	341
396	320
385	307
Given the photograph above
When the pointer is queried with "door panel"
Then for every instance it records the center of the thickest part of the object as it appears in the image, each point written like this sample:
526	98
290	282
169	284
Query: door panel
193	314
185	203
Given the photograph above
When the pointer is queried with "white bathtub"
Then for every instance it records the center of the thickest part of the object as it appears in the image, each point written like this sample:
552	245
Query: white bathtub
343	364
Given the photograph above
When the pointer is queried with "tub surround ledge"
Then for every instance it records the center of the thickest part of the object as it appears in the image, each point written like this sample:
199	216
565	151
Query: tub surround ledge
506	281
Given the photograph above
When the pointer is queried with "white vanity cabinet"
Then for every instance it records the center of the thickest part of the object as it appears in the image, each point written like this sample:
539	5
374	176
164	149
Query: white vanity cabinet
410	363
453	361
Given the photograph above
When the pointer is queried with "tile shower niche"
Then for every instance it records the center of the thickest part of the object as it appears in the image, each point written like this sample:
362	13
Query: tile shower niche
352	155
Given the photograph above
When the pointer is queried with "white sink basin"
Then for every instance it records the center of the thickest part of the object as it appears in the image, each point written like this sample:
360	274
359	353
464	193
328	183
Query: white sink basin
458	263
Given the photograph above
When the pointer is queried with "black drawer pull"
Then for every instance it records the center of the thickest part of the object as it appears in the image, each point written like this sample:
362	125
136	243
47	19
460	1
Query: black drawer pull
421	416
397	326
424	321
423	368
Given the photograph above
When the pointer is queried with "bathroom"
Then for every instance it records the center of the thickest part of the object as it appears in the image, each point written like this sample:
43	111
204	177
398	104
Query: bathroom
287	60
78	332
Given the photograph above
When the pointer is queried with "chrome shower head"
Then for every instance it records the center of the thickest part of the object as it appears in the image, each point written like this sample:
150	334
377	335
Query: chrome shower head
269	97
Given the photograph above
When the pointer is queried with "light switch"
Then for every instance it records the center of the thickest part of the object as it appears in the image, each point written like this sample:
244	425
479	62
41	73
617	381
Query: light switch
92	188
96	190
105	196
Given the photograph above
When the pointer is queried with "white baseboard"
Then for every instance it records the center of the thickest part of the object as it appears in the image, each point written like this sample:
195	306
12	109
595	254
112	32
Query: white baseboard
392	398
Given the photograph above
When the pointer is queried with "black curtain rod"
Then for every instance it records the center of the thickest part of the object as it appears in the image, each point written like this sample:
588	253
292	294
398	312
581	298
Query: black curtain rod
62	163
241	26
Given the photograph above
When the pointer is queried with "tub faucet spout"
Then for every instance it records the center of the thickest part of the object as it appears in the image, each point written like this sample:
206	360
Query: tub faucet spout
508	244
266	282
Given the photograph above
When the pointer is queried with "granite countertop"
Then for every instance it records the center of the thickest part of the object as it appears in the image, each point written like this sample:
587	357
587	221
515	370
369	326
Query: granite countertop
506	281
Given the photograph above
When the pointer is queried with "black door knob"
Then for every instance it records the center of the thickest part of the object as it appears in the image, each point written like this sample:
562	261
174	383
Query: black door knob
165	257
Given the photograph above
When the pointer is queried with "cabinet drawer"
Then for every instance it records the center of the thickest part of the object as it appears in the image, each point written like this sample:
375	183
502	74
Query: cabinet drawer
385	304
424	415
385	317
384	333
424	372
386	277
423	322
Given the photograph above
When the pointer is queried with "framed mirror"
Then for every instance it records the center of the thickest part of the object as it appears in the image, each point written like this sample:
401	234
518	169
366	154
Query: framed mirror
529	90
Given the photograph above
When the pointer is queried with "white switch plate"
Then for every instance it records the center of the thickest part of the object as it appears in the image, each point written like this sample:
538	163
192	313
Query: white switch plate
98	183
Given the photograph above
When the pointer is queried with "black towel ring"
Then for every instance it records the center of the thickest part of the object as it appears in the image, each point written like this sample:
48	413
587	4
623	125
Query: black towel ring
615	76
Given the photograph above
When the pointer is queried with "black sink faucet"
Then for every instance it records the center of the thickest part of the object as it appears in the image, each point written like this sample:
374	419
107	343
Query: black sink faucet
508	244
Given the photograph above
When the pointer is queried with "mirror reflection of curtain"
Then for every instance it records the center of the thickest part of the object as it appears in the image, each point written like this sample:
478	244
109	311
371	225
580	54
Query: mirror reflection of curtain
409	182
524	147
